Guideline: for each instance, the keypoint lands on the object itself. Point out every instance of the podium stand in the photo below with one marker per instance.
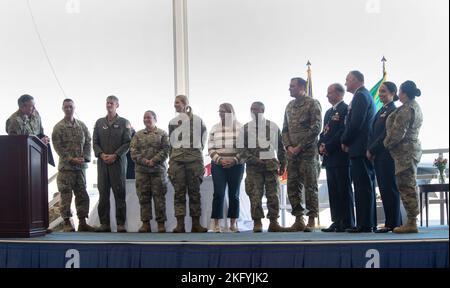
(23, 187)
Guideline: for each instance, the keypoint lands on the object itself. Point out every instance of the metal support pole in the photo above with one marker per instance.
(180, 43)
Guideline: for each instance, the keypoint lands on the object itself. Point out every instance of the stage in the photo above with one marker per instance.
(427, 249)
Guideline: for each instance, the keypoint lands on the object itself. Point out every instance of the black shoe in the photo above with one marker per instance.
(339, 229)
(103, 228)
(383, 230)
(359, 230)
(332, 228)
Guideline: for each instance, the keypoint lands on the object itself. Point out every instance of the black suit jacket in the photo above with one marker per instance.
(376, 146)
(358, 124)
(333, 127)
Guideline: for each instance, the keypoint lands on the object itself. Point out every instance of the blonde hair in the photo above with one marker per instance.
(185, 100)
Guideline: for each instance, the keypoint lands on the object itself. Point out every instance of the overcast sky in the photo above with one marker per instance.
(240, 51)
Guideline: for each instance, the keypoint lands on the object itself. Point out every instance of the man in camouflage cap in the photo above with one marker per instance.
(260, 139)
(301, 127)
(149, 150)
(111, 141)
(72, 142)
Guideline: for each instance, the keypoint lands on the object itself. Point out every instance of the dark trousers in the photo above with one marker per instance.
(221, 178)
(340, 195)
(363, 177)
(111, 176)
(385, 170)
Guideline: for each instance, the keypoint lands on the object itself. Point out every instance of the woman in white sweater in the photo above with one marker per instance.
(226, 169)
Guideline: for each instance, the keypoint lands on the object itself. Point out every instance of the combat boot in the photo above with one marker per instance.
(299, 224)
(275, 227)
(68, 227)
(180, 225)
(311, 224)
(161, 227)
(145, 228)
(257, 226)
(409, 227)
(196, 227)
(84, 227)
(121, 228)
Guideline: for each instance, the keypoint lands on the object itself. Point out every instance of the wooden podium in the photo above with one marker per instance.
(23, 187)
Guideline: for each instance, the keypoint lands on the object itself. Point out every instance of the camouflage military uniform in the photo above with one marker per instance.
(262, 166)
(18, 124)
(301, 127)
(151, 181)
(402, 141)
(186, 167)
(112, 137)
(72, 140)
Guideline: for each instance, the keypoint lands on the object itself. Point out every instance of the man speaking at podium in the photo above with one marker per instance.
(26, 121)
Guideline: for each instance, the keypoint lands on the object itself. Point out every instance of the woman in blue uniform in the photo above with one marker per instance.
(384, 164)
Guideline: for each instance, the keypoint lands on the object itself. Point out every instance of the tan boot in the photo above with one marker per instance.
(84, 227)
(121, 228)
(196, 227)
(145, 228)
(161, 227)
(275, 227)
(409, 227)
(180, 225)
(299, 224)
(257, 226)
(68, 227)
(311, 224)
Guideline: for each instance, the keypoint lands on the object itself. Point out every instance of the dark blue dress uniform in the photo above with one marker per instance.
(385, 168)
(337, 164)
(358, 128)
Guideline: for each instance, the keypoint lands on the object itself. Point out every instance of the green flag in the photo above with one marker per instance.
(375, 93)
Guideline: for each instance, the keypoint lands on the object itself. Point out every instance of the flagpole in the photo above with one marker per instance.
(308, 82)
(375, 90)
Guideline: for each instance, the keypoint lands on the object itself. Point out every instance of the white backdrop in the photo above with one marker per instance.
(133, 219)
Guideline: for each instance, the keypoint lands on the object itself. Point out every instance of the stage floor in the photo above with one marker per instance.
(427, 249)
(430, 234)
